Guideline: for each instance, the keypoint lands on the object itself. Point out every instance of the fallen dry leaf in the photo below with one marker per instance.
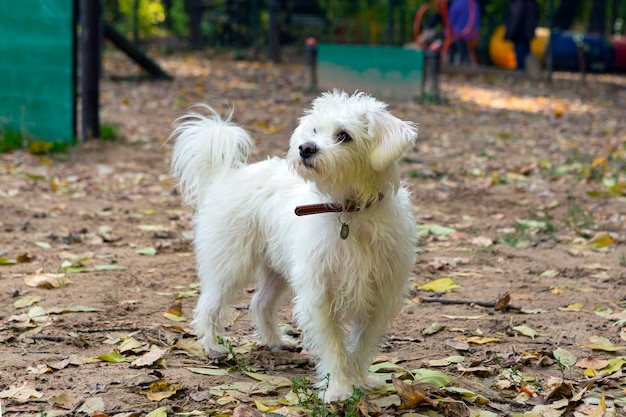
(148, 359)
(47, 280)
(410, 395)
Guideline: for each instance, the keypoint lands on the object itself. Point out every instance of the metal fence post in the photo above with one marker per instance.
(430, 94)
(311, 63)
(90, 67)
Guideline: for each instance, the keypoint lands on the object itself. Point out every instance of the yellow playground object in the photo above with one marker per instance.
(502, 53)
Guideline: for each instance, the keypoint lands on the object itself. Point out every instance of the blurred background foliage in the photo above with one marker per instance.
(246, 22)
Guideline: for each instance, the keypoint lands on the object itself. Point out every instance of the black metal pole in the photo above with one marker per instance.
(274, 33)
(550, 50)
(430, 93)
(89, 67)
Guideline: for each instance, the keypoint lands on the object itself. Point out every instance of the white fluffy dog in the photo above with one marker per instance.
(331, 222)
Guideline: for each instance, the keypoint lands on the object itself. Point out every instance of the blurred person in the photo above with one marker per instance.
(521, 23)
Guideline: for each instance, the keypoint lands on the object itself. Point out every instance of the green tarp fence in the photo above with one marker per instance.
(384, 71)
(37, 93)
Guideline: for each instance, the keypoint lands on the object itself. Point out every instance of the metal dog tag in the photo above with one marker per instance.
(344, 219)
(345, 231)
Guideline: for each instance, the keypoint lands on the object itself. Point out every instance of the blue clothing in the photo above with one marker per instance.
(464, 18)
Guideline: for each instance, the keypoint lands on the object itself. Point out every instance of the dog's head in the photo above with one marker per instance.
(348, 145)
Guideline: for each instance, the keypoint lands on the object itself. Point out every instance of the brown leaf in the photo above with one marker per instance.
(46, 280)
(24, 258)
(192, 347)
(502, 302)
(564, 389)
(410, 395)
(245, 410)
(591, 362)
(457, 344)
(368, 408)
(155, 354)
(160, 390)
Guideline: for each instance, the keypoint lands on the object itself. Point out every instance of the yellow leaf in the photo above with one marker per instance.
(160, 390)
(613, 365)
(129, 344)
(175, 313)
(278, 381)
(573, 307)
(174, 317)
(602, 343)
(600, 409)
(526, 331)
(600, 241)
(209, 371)
(481, 340)
(112, 357)
(598, 162)
(439, 285)
(263, 408)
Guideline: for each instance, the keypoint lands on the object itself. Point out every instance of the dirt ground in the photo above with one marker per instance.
(519, 188)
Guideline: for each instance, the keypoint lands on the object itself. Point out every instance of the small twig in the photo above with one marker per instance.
(140, 409)
(110, 329)
(490, 304)
(49, 338)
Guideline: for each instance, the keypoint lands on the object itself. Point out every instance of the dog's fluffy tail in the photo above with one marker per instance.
(206, 147)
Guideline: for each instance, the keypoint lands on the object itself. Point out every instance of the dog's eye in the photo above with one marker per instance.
(343, 137)
(314, 131)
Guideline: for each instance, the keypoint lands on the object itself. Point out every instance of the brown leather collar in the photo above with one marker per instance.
(349, 207)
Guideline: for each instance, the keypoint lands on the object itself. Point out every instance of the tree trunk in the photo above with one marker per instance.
(565, 14)
(194, 9)
(597, 18)
(167, 8)
(274, 32)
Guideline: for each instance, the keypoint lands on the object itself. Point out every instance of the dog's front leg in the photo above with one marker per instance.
(363, 341)
(325, 338)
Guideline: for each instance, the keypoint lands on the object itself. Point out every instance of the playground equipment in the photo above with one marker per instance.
(570, 51)
(619, 45)
(502, 53)
(573, 51)
(449, 34)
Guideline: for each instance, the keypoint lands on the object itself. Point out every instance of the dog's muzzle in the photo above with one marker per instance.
(307, 150)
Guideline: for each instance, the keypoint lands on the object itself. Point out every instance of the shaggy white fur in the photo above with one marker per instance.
(347, 288)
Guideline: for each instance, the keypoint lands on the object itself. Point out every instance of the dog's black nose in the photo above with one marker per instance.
(307, 149)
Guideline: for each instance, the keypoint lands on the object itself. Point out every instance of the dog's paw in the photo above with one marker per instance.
(212, 348)
(335, 389)
(282, 342)
(288, 342)
(337, 393)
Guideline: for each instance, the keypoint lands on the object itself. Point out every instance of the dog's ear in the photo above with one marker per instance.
(392, 137)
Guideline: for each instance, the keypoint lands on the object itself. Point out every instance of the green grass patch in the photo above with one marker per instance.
(12, 140)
